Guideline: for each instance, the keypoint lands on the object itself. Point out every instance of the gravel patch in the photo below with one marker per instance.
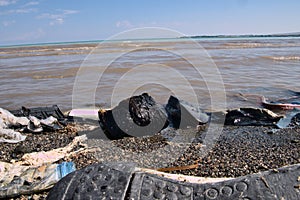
(238, 151)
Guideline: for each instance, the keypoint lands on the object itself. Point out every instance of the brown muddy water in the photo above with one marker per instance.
(100, 74)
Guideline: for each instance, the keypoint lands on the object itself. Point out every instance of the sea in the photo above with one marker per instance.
(210, 73)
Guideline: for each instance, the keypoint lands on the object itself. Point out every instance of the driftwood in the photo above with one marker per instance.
(177, 168)
(284, 106)
(273, 105)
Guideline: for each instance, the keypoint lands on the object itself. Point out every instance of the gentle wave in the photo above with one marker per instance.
(282, 58)
(42, 77)
(256, 45)
(12, 52)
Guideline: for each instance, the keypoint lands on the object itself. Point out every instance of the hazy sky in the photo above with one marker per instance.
(25, 21)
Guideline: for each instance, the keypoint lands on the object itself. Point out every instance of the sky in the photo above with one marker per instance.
(44, 21)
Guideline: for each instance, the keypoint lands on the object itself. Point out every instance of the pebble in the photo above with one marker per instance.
(238, 151)
(36, 142)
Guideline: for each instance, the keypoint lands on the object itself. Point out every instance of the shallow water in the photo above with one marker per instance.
(46, 74)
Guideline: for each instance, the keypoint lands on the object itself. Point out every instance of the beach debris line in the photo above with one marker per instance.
(18, 179)
(290, 106)
(11, 125)
(141, 115)
(8, 120)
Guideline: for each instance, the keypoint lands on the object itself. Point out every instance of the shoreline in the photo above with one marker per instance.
(239, 151)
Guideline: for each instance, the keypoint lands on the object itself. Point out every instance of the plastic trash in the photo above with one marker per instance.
(11, 136)
(251, 117)
(136, 116)
(42, 157)
(85, 113)
(64, 169)
(285, 121)
(16, 180)
(6, 121)
(41, 113)
(9, 119)
(10, 122)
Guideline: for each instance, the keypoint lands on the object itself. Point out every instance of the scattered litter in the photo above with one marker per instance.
(9, 119)
(16, 180)
(11, 136)
(11, 125)
(42, 113)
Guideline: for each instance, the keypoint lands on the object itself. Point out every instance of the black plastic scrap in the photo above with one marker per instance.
(125, 181)
(136, 113)
(180, 117)
(251, 117)
(133, 115)
(43, 113)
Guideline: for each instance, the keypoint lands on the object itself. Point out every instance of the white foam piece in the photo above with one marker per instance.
(85, 113)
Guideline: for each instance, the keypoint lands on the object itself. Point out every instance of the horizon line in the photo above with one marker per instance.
(206, 36)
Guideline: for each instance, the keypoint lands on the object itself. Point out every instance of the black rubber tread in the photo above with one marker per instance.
(273, 184)
(98, 181)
